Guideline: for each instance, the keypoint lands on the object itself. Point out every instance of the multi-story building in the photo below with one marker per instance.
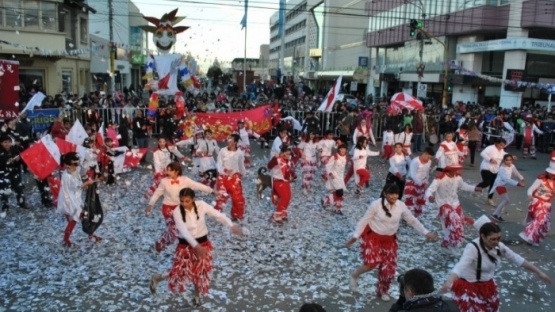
(321, 41)
(485, 40)
(50, 39)
(288, 39)
(130, 40)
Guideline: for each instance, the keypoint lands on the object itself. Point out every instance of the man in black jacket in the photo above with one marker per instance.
(417, 293)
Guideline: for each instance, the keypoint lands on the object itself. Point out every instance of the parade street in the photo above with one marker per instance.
(274, 268)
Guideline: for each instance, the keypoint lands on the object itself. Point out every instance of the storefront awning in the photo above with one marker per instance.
(335, 73)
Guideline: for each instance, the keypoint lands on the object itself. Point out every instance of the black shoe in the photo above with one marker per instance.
(339, 212)
(197, 303)
(24, 206)
(47, 204)
(367, 185)
(497, 218)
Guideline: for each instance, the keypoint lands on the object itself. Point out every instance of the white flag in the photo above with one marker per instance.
(77, 134)
(35, 101)
(329, 100)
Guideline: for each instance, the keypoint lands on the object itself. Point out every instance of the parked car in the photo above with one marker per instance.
(350, 99)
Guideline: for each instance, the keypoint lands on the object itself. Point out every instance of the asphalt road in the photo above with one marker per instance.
(276, 268)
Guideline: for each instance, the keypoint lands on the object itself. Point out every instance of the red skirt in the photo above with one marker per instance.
(188, 268)
(377, 249)
(387, 151)
(501, 190)
(476, 297)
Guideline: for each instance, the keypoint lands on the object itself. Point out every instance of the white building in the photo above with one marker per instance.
(322, 40)
(486, 40)
(100, 37)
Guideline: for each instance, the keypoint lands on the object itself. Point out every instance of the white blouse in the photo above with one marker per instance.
(170, 190)
(195, 227)
(233, 161)
(380, 223)
(69, 198)
(163, 157)
(398, 164)
(419, 172)
(445, 190)
(468, 264)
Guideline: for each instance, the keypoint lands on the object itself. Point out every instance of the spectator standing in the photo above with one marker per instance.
(416, 288)
(140, 131)
(417, 131)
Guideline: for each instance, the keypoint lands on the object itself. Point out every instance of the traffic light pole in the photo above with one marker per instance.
(445, 68)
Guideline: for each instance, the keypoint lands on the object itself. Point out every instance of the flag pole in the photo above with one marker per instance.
(245, 62)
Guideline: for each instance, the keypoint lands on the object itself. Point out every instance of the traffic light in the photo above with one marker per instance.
(450, 85)
(414, 25)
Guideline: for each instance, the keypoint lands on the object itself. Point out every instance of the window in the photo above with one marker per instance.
(31, 79)
(65, 22)
(49, 16)
(13, 13)
(66, 80)
(84, 29)
(31, 14)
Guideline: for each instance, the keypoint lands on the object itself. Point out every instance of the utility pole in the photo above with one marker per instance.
(445, 67)
(112, 47)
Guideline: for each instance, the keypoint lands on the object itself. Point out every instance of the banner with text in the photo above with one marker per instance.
(258, 120)
(42, 119)
(9, 89)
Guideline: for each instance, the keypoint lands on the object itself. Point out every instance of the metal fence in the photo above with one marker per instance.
(328, 121)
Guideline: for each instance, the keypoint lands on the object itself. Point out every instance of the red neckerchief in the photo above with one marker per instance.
(174, 181)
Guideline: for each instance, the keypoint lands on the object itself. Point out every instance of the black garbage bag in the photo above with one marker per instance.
(92, 211)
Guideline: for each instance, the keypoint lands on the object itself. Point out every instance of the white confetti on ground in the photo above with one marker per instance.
(274, 268)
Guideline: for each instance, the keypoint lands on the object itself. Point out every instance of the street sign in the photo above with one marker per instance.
(551, 89)
(354, 86)
(422, 90)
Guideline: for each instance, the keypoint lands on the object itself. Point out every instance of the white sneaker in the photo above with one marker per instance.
(353, 284)
(2, 214)
(385, 297)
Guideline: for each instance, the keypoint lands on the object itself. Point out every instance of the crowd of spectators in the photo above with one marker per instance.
(296, 100)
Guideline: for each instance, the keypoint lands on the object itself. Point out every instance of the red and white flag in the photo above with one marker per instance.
(133, 157)
(329, 100)
(42, 158)
(100, 136)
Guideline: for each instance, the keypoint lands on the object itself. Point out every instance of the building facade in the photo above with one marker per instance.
(130, 41)
(50, 39)
(321, 41)
(482, 40)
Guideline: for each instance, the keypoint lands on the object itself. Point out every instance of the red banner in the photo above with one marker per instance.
(258, 120)
(9, 89)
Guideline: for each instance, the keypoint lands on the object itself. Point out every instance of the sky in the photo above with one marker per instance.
(215, 27)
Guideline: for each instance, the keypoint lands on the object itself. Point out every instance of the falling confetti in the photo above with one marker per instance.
(271, 268)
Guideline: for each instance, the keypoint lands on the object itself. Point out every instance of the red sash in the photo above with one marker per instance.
(528, 136)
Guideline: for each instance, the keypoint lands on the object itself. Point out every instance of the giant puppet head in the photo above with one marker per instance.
(163, 30)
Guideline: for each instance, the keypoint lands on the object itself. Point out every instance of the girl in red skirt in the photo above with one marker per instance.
(471, 280)
(193, 256)
(504, 176)
(377, 230)
(169, 187)
(540, 193)
(162, 156)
